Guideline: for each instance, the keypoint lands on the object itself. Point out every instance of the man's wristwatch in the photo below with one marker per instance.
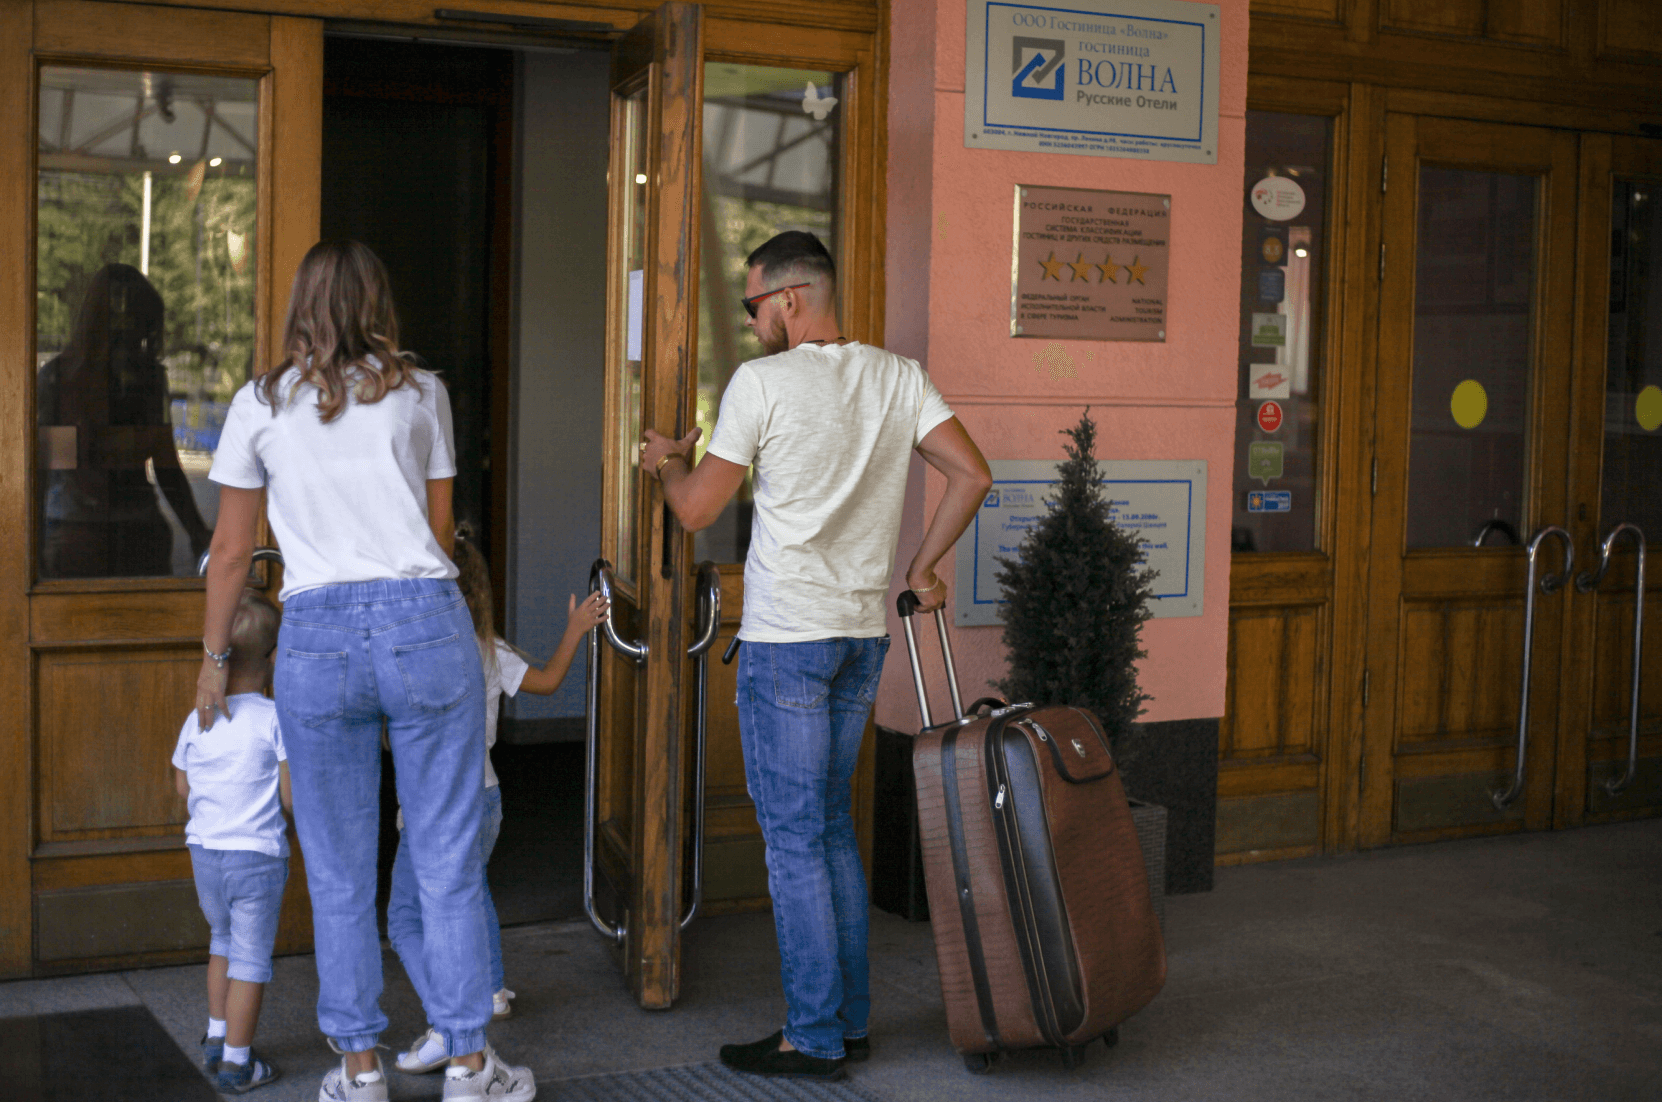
(659, 469)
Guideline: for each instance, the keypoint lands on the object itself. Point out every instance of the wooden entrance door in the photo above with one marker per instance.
(1472, 432)
(645, 687)
(1616, 479)
(160, 186)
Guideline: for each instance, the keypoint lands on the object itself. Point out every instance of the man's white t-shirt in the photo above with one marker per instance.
(830, 430)
(504, 677)
(347, 499)
(232, 769)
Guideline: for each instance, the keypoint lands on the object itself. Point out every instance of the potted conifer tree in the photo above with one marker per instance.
(1075, 599)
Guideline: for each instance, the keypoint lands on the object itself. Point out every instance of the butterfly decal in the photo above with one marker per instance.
(817, 105)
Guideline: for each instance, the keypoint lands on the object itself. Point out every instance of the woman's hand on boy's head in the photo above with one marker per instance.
(590, 614)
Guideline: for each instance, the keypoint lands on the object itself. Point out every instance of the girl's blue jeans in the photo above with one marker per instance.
(348, 656)
(802, 713)
(404, 906)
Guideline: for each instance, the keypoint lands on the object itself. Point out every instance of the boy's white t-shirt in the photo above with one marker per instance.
(232, 769)
(347, 499)
(830, 430)
(506, 677)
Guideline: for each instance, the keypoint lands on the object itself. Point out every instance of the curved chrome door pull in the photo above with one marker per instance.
(709, 607)
(1550, 584)
(599, 579)
(1588, 582)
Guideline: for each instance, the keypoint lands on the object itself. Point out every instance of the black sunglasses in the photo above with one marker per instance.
(753, 301)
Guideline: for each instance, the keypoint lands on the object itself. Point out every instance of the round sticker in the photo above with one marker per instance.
(1469, 404)
(1273, 250)
(1277, 198)
(1269, 416)
(1647, 408)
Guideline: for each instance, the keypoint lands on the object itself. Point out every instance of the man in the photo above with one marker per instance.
(829, 426)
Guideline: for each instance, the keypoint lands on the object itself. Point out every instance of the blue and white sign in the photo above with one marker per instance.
(1106, 78)
(1164, 502)
(1269, 501)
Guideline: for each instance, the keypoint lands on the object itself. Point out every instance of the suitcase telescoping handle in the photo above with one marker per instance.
(906, 604)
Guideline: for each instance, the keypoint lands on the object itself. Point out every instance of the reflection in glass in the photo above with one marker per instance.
(1280, 352)
(772, 149)
(1632, 484)
(628, 339)
(144, 324)
(1474, 295)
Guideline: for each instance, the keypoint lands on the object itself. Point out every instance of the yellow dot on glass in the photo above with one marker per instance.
(1469, 404)
(1647, 408)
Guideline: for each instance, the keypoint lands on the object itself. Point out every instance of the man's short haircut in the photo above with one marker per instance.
(796, 254)
(253, 628)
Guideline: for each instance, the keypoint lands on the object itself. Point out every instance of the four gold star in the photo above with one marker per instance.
(1052, 267)
(1134, 271)
(1081, 268)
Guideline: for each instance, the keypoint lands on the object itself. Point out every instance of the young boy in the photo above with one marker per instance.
(236, 778)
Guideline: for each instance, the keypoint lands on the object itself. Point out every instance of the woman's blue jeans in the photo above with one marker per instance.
(404, 904)
(802, 713)
(347, 656)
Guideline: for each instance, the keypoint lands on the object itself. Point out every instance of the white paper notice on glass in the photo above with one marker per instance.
(637, 303)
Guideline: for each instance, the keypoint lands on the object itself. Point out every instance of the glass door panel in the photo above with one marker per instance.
(628, 338)
(1474, 285)
(145, 317)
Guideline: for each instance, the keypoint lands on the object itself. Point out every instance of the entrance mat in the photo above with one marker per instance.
(119, 1055)
(703, 1083)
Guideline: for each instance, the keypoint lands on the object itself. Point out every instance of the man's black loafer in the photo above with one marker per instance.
(856, 1049)
(764, 1058)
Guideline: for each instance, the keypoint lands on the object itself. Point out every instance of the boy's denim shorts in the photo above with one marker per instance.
(241, 892)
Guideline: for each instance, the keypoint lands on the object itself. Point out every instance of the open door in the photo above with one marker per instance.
(642, 686)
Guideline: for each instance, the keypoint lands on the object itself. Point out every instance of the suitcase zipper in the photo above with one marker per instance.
(998, 801)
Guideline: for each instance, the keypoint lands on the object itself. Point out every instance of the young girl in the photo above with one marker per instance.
(505, 672)
(350, 445)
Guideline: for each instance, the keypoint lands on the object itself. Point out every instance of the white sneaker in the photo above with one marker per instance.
(338, 1086)
(412, 1061)
(497, 1083)
(500, 1006)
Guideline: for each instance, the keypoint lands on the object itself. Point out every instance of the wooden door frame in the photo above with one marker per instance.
(285, 55)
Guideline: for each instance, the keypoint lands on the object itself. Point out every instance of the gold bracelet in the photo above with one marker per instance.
(659, 469)
(932, 588)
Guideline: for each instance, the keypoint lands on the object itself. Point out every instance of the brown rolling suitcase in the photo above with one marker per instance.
(1044, 928)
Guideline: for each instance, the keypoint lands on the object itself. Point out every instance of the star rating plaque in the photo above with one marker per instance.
(1090, 265)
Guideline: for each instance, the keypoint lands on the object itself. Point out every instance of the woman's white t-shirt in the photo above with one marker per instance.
(347, 499)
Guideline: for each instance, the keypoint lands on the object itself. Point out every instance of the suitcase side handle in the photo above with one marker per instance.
(906, 604)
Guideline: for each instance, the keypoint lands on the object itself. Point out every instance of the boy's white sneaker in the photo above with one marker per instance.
(426, 1054)
(338, 1086)
(501, 1005)
(498, 1082)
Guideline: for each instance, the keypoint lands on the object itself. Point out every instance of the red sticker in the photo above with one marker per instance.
(1269, 416)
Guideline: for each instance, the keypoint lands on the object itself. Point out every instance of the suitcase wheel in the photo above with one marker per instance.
(1112, 1037)
(978, 1063)
(1073, 1056)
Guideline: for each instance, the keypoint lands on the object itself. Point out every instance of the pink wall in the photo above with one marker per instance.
(948, 273)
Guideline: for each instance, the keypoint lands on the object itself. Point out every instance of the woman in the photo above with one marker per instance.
(352, 444)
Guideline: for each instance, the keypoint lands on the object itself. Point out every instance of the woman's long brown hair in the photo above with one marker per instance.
(342, 330)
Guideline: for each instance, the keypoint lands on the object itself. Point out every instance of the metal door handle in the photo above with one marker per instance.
(1495, 525)
(1552, 583)
(599, 579)
(261, 554)
(1588, 582)
(709, 607)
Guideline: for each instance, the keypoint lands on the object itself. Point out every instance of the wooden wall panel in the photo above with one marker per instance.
(1462, 17)
(1273, 677)
(103, 771)
(1460, 664)
(1537, 22)
(82, 28)
(1326, 10)
(1631, 28)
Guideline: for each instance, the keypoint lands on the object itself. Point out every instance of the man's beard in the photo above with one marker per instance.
(774, 340)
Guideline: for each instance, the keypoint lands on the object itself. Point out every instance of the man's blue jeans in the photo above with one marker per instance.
(348, 655)
(404, 904)
(802, 712)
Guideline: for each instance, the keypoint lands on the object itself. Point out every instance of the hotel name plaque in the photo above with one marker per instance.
(1090, 265)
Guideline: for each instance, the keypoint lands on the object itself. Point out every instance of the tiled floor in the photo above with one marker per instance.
(1517, 968)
